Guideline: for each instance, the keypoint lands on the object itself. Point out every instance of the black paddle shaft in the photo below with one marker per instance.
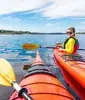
(47, 47)
(54, 47)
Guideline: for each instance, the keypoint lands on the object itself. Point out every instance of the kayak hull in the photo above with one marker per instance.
(73, 71)
(41, 84)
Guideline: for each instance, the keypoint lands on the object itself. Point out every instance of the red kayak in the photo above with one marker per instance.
(42, 84)
(73, 69)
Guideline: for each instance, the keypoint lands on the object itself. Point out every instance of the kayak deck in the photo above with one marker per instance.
(73, 69)
(42, 84)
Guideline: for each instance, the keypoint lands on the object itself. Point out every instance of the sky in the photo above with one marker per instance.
(42, 15)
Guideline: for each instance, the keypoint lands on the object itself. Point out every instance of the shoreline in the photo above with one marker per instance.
(36, 33)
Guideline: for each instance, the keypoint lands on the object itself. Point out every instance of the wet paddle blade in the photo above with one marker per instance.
(29, 46)
(7, 75)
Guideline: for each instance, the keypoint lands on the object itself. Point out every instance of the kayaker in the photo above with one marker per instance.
(71, 44)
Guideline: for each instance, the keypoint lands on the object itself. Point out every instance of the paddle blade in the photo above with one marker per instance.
(7, 75)
(26, 67)
(29, 46)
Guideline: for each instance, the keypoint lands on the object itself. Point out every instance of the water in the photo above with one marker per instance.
(11, 45)
(11, 49)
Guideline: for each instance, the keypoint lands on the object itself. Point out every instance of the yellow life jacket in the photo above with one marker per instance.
(71, 45)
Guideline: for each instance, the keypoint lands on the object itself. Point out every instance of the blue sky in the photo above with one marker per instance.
(42, 15)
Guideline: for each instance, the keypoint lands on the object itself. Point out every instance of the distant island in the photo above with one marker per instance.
(14, 32)
(80, 32)
(28, 32)
(46, 33)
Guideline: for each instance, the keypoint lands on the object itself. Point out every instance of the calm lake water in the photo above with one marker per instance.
(11, 45)
(11, 49)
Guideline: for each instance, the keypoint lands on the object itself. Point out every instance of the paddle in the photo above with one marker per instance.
(26, 66)
(7, 78)
(30, 46)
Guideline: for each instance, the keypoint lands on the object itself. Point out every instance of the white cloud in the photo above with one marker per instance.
(6, 26)
(8, 6)
(65, 8)
(52, 24)
(58, 8)
(49, 24)
(83, 22)
(78, 18)
(81, 29)
(11, 27)
(10, 18)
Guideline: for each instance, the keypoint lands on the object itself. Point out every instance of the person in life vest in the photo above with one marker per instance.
(71, 44)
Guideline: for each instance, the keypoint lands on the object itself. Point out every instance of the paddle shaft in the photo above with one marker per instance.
(54, 47)
(16, 86)
(22, 91)
(82, 49)
(47, 47)
(7, 78)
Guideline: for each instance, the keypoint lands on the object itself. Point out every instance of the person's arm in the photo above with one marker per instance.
(59, 45)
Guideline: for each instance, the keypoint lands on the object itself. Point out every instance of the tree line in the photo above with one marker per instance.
(14, 32)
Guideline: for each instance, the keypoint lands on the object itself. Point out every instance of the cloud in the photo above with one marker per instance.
(11, 27)
(6, 26)
(10, 18)
(65, 8)
(81, 29)
(9, 6)
(52, 24)
(54, 8)
(78, 18)
(83, 22)
(49, 24)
